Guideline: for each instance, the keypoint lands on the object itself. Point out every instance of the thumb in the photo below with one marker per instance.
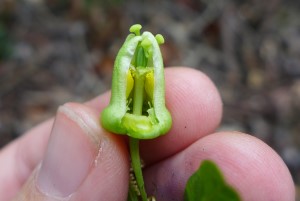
(82, 161)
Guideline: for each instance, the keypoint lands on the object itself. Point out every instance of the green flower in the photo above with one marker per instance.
(137, 105)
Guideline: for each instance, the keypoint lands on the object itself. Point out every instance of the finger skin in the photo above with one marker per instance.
(248, 164)
(21, 157)
(98, 145)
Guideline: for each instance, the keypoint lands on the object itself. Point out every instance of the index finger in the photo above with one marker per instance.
(195, 106)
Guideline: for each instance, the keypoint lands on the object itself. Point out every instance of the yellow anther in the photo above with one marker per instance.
(130, 83)
(149, 84)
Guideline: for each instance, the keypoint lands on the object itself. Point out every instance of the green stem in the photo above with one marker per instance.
(136, 165)
(132, 195)
(139, 82)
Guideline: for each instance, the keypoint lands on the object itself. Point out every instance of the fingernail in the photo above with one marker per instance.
(71, 152)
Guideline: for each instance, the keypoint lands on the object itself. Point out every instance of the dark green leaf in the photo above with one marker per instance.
(208, 184)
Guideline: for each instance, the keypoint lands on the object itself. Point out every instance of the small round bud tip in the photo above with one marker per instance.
(136, 29)
(160, 39)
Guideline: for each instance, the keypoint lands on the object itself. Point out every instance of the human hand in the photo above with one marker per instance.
(73, 158)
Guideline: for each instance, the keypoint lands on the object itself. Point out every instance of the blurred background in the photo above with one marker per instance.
(54, 51)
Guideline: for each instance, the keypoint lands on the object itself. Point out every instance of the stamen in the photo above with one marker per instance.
(136, 29)
(160, 39)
